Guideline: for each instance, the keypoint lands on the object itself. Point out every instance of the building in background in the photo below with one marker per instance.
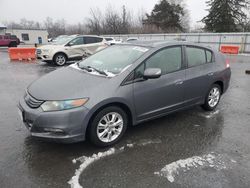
(30, 36)
(2, 29)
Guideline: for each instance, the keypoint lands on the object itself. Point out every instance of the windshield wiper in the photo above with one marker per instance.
(90, 69)
(97, 70)
(84, 67)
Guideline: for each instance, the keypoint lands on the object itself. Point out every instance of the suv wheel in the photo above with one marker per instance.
(60, 59)
(13, 44)
(212, 98)
(108, 126)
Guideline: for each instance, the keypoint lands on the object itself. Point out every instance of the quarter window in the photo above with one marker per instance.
(91, 40)
(195, 56)
(168, 60)
(209, 56)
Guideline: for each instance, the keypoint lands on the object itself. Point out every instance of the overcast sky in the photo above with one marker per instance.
(74, 11)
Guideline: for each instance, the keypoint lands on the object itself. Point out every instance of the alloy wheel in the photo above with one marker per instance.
(214, 97)
(110, 127)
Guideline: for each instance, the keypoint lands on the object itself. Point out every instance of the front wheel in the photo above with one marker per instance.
(60, 59)
(213, 98)
(108, 126)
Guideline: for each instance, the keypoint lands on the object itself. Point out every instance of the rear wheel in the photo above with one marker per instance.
(108, 126)
(212, 98)
(13, 44)
(60, 59)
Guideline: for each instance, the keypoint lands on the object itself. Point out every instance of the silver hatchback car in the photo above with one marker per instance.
(123, 85)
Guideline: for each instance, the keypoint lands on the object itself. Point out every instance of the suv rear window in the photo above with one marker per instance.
(195, 56)
(91, 40)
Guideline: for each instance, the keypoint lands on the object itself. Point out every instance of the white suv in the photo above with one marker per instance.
(70, 48)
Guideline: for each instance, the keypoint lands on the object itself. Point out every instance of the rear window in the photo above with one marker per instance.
(91, 40)
(195, 56)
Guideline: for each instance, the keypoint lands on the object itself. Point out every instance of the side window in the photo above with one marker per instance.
(77, 41)
(195, 56)
(25, 37)
(90, 40)
(209, 56)
(168, 60)
(99, 39)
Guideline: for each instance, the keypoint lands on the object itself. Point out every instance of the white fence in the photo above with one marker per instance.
(214, 40)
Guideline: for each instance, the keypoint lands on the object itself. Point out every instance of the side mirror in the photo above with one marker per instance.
(152, 73)
(69, 44)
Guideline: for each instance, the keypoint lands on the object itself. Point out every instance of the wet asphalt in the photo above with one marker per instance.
(27, 162)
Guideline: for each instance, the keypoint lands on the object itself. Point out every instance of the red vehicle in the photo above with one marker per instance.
(9, 40)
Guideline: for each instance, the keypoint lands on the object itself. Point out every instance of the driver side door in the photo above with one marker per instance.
(154, 97)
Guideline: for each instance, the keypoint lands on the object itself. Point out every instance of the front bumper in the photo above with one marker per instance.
(44, 56)
(66, 126)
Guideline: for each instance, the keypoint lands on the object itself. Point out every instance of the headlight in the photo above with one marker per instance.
(62, 105)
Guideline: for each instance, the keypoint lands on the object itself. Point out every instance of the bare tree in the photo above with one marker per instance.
(94, 22)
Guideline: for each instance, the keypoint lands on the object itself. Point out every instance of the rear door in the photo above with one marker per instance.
(154, 97)
(75, 49)
(5, 40)
(199, 73)
(93, 44)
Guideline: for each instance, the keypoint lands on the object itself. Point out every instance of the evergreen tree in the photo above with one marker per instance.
(166, 16)
(225, 15)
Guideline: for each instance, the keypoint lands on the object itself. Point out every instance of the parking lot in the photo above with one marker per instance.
(191, 148)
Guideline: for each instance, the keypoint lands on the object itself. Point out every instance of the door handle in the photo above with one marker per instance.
(179, 82)
(210, 74)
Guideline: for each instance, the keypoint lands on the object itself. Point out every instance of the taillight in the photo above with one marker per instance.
(227, 63)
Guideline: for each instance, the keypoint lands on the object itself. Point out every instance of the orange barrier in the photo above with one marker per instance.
(22, 53)
(230, 49)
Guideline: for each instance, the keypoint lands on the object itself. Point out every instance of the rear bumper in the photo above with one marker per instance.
(67, 126)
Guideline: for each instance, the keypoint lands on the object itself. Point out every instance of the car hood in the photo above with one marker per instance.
(66, 83)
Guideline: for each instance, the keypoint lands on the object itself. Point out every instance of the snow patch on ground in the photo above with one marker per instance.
(148, 142)
(74, 182)
(171, 170)
(86, 161)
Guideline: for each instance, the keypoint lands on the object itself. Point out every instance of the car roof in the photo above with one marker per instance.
(88, 36)
(161, 43)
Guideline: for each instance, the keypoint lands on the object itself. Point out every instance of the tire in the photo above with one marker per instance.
(212, 98)
(60, 59)
(102, 132)
(13, 44)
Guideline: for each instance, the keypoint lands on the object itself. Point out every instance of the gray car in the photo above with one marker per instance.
(123, 85)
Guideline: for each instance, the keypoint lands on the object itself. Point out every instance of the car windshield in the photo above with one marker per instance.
(114, 59)
(62, 40)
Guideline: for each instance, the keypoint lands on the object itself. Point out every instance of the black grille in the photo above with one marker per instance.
(32, 102)
(38, 51)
